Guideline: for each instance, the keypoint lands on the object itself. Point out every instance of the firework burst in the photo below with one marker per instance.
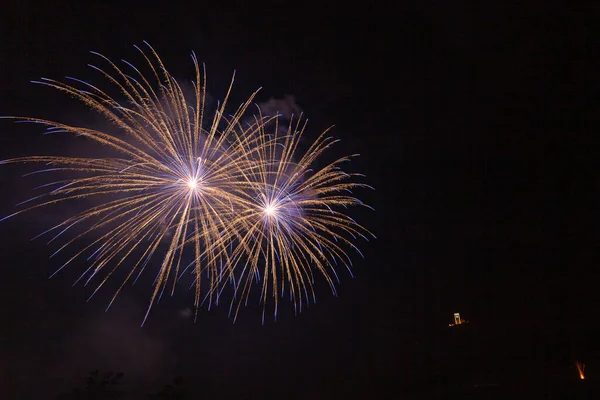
(292, 225)
(224, 193)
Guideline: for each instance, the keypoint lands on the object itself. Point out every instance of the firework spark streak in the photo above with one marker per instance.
(238, 198)
(580, 369)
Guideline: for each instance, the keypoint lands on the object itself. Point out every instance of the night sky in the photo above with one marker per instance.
(474, 124)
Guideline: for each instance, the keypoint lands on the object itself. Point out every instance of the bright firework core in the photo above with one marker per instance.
(192, 184)
(270, 210)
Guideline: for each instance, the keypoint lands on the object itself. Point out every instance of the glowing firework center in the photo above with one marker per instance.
(192, 183)
(270, 210)
(195, 178)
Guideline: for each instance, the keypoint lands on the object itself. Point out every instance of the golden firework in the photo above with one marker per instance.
(224, 189)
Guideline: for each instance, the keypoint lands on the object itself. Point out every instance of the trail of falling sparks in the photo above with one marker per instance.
(580, 369)
(226, 189)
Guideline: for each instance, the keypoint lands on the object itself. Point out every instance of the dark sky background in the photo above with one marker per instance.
(474, 124)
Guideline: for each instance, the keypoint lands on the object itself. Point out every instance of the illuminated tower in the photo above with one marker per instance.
(457, 320)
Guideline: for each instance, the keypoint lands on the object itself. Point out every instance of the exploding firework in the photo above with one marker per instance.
(223, 192)
(291, 225)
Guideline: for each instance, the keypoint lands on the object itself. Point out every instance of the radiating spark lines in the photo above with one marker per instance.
(223, 197)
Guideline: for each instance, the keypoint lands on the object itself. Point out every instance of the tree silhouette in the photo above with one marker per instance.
(97, 387)
(172, 391)
(105, 386)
